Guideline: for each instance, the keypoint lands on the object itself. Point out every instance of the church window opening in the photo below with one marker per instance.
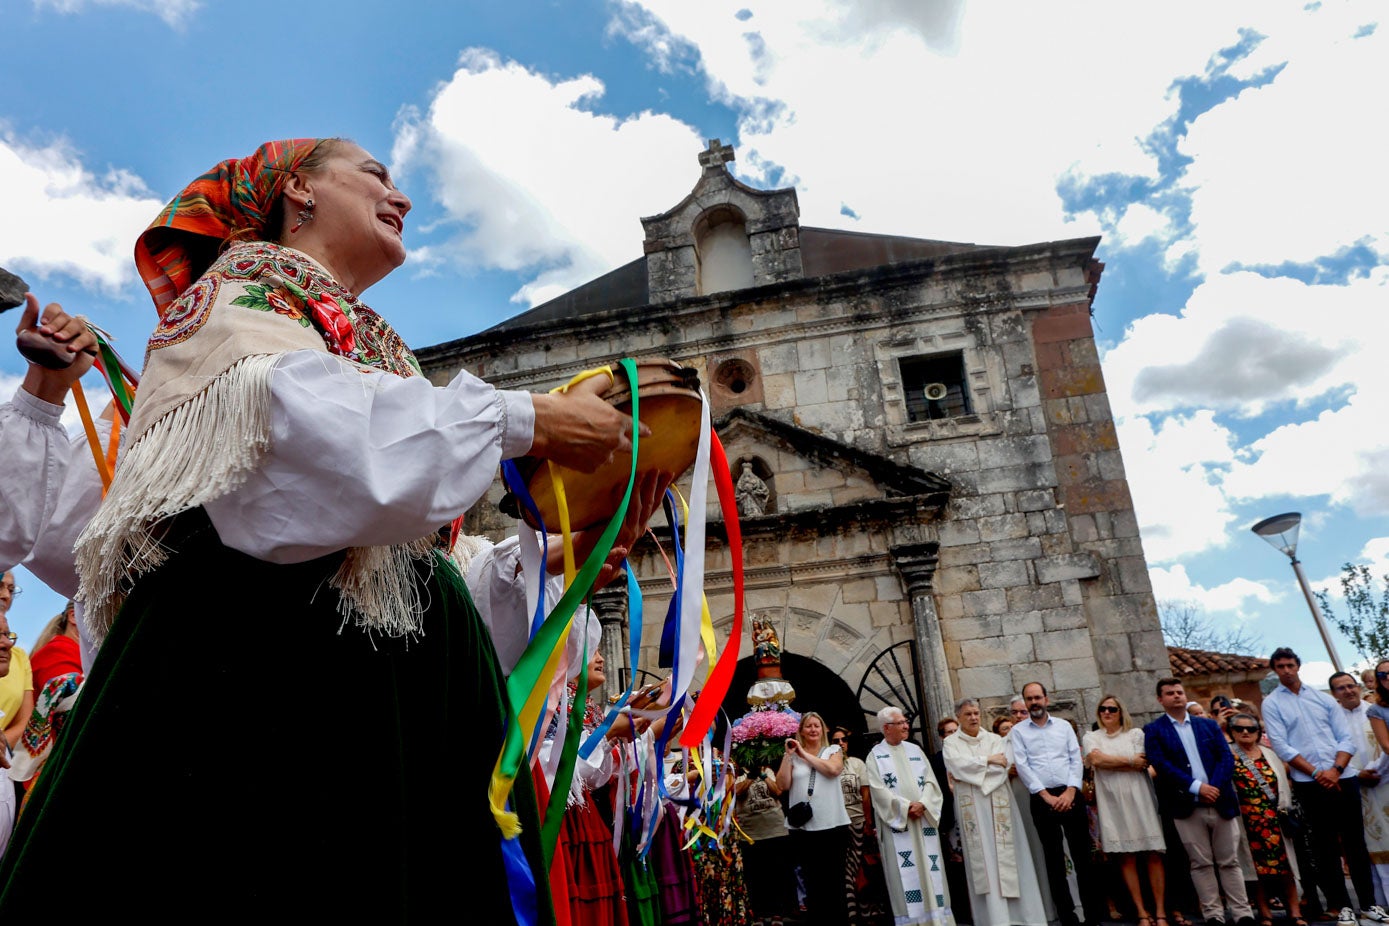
(722, 251)
(935, 387)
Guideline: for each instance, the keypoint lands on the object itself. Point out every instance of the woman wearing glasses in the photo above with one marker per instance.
(1125, 804)
(1264, 798)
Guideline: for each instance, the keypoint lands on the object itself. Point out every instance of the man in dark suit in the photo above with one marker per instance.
(1194, 768)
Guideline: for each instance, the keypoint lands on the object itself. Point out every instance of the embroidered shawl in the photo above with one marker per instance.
(202, 423)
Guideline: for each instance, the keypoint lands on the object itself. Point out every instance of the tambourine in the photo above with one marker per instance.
(669, 404)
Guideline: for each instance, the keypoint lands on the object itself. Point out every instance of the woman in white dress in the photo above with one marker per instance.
(1125, 803)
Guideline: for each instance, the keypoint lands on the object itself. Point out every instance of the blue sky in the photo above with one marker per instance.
(1228, 155)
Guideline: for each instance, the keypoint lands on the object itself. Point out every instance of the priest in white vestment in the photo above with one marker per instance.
(1003, 883)
(907, 801)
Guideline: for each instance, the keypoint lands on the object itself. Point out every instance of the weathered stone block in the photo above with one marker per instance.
(1003, 527)
(996, 651)
(1113, 614)
(1075, 673)
(1149, 651)
(811, 388)
(957, 533)
(1056, 544)
(971, 628)
(1111, 465)
(987, 601)
(1008, 451)
(1070, 566)
(1064, 618)
(1022, 622)
(1063, 644)
(1071, 592)
(1133, 576)
(1035, 500)
(1124, 523)
(814, 354)
(859, 590)
(949, 608)
(779, 390)
(1024, 548)
(889, 588)
(779, 358)
(982, 683)
(977, 506)
(1016, 478)
(1030, 672)
(1112, 653)
(1003, 575)
(956, 579)
(964, 555)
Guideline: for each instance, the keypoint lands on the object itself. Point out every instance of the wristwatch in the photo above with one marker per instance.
(1340, 769)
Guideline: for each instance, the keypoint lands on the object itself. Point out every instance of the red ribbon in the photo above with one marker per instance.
(721, 677)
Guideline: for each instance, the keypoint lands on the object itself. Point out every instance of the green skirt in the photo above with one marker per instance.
(237, 752)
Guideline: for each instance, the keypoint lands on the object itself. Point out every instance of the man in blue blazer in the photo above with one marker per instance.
(1195, 788)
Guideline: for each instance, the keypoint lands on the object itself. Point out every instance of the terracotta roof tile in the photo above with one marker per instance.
(1190, 662)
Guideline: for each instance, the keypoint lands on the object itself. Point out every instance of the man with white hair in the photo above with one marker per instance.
(1003, 883)
(907, 803)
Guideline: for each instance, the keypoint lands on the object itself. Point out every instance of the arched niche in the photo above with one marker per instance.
(723, 254)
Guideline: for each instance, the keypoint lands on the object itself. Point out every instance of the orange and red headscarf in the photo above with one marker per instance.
(232, 201)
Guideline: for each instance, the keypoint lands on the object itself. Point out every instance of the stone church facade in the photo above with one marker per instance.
(936, 501)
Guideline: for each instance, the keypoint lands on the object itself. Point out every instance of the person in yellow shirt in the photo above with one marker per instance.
(17, 686)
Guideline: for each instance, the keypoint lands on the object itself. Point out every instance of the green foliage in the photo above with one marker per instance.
(1366, 623)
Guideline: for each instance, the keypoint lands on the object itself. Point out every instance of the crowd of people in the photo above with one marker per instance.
(284, 443)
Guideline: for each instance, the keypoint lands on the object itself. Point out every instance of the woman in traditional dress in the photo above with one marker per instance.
(1374, 801)
(56, 651)
(863, 884)
(1264, 796)
(286, 471)
(1126, 805)
(809, 773)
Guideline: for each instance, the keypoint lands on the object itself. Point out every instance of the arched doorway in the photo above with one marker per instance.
(818, 689)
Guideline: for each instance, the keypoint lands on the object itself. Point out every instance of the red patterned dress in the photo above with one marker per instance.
(1258, 804)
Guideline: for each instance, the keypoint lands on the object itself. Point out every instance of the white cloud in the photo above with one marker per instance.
(558, 194)
(1288, 171)
(173, 12)
(62, 218)
(1180, 458)
(968, 115)
(1243, 341)
(1173, 584)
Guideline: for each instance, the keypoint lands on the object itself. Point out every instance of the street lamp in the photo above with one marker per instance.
(1281, 533)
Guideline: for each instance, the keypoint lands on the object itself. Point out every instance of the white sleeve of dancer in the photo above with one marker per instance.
(363, 458)
(49, 490)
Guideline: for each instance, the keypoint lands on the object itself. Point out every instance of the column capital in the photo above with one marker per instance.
(917, 564)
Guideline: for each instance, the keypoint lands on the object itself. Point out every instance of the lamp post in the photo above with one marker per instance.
(1281, 533)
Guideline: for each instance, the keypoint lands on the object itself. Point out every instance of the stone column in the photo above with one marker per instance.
(610, 604)
(917, 564)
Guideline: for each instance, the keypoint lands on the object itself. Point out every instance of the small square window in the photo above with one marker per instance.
(934, 387)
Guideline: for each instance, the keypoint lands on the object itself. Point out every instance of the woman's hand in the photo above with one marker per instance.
(71, 334)
(578, 429)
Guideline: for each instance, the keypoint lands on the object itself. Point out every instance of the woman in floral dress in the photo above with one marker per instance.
(1264, 792)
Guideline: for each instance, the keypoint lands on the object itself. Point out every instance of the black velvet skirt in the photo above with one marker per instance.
(236, 752)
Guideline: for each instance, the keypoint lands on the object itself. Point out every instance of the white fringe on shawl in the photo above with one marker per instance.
(199, 451)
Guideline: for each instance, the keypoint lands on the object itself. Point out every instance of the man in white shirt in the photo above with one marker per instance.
(1047, 755)
(1363, 766)
(1309, 732)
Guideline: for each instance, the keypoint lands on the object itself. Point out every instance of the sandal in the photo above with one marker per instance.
(1145, 921)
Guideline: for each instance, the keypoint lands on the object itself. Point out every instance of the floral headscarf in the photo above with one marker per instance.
(231, 201)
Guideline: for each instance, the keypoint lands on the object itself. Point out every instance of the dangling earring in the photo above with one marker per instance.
(305, 215)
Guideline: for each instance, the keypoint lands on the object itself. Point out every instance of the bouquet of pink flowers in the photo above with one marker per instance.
(759, 737)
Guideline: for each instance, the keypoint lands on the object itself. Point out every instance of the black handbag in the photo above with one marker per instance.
(799, 813)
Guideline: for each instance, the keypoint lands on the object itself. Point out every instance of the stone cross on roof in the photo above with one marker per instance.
(715, 156)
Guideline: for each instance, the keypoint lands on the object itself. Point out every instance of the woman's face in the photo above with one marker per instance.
(596, 675)
(1108, 714)
(1004, 727)
(813, 730)
(359, 216)
(1245, 731)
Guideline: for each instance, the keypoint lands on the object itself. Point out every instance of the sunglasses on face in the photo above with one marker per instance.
(839, 739)
(1379, 674)
(1107, 709)
(1243, 729)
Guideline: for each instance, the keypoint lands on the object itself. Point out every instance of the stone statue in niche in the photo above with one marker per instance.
(752, 493)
